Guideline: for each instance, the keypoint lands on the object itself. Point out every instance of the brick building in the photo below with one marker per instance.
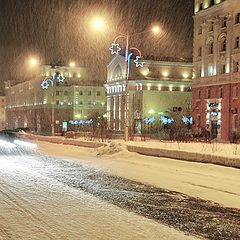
(216, 60)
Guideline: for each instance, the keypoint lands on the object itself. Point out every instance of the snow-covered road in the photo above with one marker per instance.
(35, 206)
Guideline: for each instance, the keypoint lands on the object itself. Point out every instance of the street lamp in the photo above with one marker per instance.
(50, 82)
(33, 61)
(129, 53)
(72, 64)
(98, 24)
(156, 29)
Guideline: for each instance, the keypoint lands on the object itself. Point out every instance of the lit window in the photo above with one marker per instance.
(210, 70)
(223, 44)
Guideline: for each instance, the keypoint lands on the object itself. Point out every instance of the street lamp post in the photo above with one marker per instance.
(50, 82)
(115, 49)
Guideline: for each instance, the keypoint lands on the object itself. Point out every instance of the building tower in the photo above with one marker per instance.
(216, 57)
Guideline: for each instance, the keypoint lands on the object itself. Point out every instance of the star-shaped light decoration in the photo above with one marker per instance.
(115, 48)
(60, 78)
(44, 84)
(137, 63)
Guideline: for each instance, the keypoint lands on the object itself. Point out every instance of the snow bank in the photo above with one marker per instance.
(215, 153)
(186, 156)
(67, 141)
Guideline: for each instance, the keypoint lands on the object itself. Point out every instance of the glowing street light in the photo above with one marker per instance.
(98, 24)
(156, 29)
(33, 62)
(72, 64)
(130, 52)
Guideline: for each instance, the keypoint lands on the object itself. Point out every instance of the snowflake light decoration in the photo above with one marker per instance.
(137, 63)
(115, 48)
(59, 77)
(44, 84)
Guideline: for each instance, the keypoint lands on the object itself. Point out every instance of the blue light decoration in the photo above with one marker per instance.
(187, 120)
(115, 48)
(81, 122)
(137, 63)
(166, 120)
(149, 120)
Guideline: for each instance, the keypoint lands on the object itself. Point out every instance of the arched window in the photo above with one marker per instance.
(210, 48)
(223, 44)
(117, 72)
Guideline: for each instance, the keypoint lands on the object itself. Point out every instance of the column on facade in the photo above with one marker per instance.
(204, 52)
(122, 111)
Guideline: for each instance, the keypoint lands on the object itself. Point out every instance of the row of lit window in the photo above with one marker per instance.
(140, 87)
(89, 93)
(212, 71)
(70, 75)
(206, 4)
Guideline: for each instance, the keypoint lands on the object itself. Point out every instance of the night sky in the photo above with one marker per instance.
(60, 31)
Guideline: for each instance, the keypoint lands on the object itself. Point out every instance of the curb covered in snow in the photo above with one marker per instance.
(186, 156)
(67, 141)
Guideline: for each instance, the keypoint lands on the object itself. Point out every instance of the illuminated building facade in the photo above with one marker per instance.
(216, 57)
(2, 112)
(154, 91)
(28, 105)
